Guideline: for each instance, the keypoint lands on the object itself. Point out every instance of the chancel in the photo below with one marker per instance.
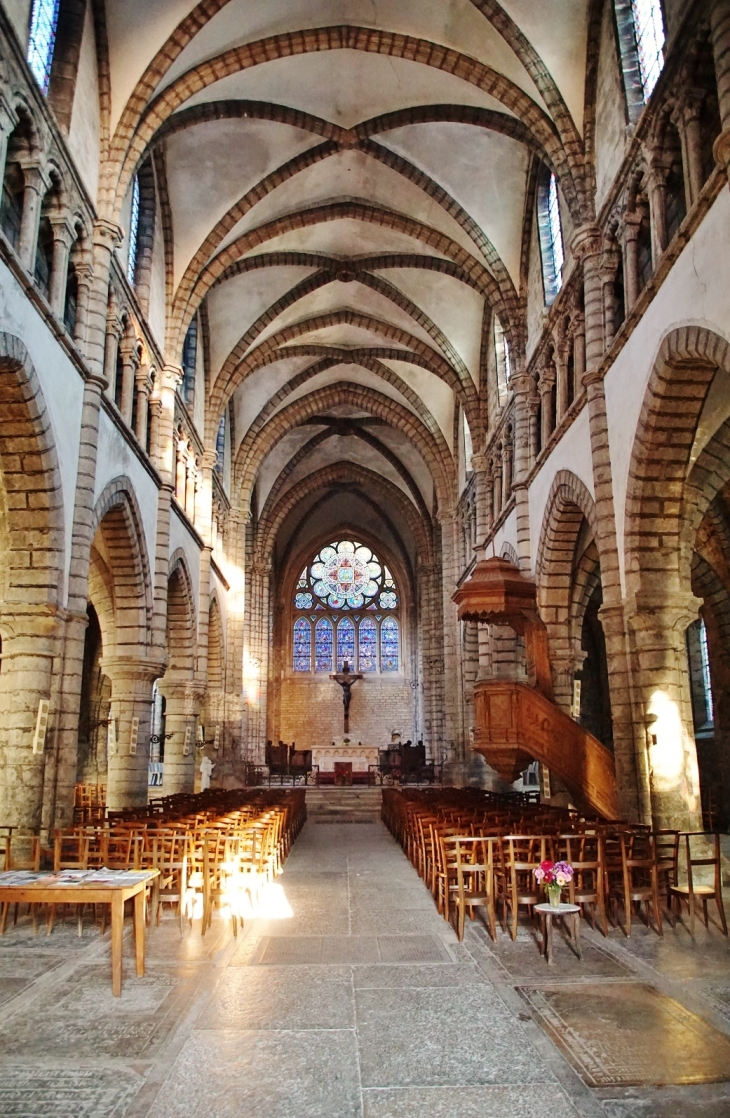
(364, 381)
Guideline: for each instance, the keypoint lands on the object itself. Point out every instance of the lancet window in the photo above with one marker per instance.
(346, 602)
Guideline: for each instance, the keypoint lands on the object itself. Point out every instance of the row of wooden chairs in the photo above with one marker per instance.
(482, 854)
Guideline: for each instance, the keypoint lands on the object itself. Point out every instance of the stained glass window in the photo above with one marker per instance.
(367, 646)
(302, 645)
(323, 645)
(345, 644)
(41, 40)
(389, 645)
(551, 234)
(649, 31)
(344, 578)
(133, 231)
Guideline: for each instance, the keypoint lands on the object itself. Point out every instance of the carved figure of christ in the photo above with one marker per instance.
(345, 680)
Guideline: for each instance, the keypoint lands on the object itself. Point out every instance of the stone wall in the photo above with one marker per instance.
(311, 711)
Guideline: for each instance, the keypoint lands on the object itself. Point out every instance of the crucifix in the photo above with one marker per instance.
(346, 679)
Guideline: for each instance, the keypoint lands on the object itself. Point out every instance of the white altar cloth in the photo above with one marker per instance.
(360, 756)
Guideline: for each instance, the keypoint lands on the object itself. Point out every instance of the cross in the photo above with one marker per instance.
(345, 679)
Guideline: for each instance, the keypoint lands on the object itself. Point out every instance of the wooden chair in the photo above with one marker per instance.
(640, 878)
(706, 893)
(517, 886)
(586, 855)
(666, 844)
(477, 861)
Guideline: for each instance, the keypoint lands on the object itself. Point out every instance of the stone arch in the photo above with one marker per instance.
(31, 578)
(508, 552)
(31, 574)
(181, 628)
(656, 545)
(569, 507)
(216, 646)
(117, 529)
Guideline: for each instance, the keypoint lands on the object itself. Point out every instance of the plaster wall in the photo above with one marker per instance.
(84, 138)
(506, 534)
(573, 453)
(610, 110)
(18, 12)
(535, 289)
(61, 384)
(180, 537)
(115, 458)
(685, 299)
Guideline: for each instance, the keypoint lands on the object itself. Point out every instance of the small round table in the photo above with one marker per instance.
(570, 913)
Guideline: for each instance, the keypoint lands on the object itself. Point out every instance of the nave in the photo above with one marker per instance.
(350, 997)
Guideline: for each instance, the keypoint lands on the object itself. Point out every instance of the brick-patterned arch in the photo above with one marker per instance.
(569, 504)
(117, 518)
(508, 552)
(181, 626)
(276, 510)
(662, 512)
(135, 131)
(32, 555)
(193, 288)
(257, 444)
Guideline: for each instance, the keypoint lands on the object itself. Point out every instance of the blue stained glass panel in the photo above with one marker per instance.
(303, 601)
(345, 643)
(323, 645)
(389, 645)
(41, 40)
(388, 600)
(368, 646)
(133, 231)
(302, 645)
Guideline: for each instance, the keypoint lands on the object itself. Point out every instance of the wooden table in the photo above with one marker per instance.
(570, 913)
(44, 888)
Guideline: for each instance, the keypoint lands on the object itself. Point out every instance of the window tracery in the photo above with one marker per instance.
(357, 599)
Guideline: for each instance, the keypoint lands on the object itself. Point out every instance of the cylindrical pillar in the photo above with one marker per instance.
(36, 185)
(130, 364)
(63, 238)
(630, 233)
(142, 387)
(131, 709)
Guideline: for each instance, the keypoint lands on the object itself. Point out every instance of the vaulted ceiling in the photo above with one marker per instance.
(344, 190)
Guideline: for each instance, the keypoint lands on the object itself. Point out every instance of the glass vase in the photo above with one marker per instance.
(553, 893)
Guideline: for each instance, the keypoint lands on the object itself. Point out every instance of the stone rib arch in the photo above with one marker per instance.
(32, 566)
(683, 370)
(186, 303)
(117, 516)
(257, 444)
(130, 142)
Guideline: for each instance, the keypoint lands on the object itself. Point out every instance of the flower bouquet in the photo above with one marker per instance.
(554, 876)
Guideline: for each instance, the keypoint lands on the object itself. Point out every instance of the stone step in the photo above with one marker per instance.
(343, 805)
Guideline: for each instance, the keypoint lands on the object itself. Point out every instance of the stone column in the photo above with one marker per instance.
(687, 119)
(497, 483)
(587, 251)
(482, 480)
(154, 421)
(191, 472)
(547, 420)
(30, 647)
(63, 238)
(181, 459)
(107, 236)
(130, 364)
(608, 269)
(84, 276)
(657, 190)
(131, 710)
(561, 371)
(720, 34)
(8, 121)
(36, 185)
(142, 387)
(111, 347)
(506, 470)
(178, 773)
(578, 327)
(663, 706)
(630, 233)
(204, 525)
(169, 378)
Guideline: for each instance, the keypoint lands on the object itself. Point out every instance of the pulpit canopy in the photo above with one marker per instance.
(497, 593)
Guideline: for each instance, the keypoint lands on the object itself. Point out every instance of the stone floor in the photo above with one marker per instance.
(352, 998)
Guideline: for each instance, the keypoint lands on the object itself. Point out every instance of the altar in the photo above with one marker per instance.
(359, 756)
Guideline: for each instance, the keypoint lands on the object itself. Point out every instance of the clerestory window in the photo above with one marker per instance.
(133, 231)
(42, 39)
(551, 234)
(641, 36)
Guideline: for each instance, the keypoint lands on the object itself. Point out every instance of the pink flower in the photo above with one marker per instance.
(539, 873)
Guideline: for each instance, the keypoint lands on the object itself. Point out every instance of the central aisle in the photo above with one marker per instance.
(360, 1004)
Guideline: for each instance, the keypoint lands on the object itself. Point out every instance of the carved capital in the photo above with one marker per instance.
(586, 241)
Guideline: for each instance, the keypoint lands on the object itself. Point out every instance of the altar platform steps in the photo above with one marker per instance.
(344, 805)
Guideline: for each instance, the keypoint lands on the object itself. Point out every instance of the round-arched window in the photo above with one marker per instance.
(342, 600)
